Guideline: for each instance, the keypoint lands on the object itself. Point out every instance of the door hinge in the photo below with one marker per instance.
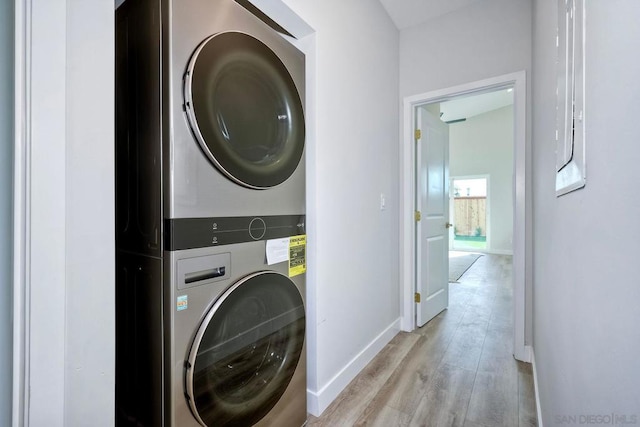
(418, 216)
(416, 297)
(417, 134)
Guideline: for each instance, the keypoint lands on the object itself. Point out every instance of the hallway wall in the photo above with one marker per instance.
(485, 39)
(586, 291)
(69, 259)
(352, 294)
(90, 215)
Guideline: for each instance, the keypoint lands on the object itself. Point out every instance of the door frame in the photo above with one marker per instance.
(522, 206)
(39, 271)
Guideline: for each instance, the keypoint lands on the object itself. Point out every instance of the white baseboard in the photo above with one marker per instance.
(498, 252)
(535, 386)
(524, 353)
(484, 251)
(318, 401)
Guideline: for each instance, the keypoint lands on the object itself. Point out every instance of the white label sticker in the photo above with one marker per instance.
(277, 251)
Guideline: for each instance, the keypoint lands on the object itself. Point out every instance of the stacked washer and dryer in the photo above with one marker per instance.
(209, 172)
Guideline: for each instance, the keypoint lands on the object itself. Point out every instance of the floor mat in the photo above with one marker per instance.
(459, 262)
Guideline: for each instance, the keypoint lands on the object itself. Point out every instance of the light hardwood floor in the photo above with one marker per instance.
(457, 370)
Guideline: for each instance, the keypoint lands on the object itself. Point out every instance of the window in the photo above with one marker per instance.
(469, 213)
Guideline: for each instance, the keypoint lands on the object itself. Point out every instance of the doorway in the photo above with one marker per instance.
(516, 81)
(469, 137)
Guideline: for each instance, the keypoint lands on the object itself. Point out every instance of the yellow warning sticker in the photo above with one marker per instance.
(297, 255)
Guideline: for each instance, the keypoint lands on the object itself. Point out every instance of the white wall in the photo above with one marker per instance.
(6, 208)
(69, 253)
(354, 277)
(586, 293)
(486, 39)
(90, 267)
(481, 145)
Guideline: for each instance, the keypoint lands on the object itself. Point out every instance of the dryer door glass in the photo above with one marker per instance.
(246, 351)
(244, 109)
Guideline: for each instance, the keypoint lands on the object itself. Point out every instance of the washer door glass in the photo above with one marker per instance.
(246, 351)
(244, 109)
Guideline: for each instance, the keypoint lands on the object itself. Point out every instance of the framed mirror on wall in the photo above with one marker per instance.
(570, 112)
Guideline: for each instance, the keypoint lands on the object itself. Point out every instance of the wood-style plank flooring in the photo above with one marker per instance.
(457, 370)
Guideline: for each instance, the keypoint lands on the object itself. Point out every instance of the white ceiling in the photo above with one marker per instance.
(472, 105)
(407, 13)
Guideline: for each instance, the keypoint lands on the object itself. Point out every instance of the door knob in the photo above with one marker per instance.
(448, 225)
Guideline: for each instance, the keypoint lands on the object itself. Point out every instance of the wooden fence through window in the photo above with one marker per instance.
(470, 216)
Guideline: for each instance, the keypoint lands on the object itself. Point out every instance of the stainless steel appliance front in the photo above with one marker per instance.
(209, 164)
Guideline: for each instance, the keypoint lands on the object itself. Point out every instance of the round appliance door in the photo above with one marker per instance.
(246, 351)
(244, 109)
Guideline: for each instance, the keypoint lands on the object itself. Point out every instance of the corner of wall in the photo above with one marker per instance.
(318, 401)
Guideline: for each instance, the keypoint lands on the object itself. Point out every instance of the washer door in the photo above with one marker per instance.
(246, 351)
(244, 109)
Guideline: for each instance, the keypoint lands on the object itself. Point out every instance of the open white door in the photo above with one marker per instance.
(432, 216)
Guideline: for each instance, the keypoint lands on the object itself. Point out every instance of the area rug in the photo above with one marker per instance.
(459, 263)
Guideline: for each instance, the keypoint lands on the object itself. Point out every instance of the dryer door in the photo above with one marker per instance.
(244, 109)
(246, 351)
